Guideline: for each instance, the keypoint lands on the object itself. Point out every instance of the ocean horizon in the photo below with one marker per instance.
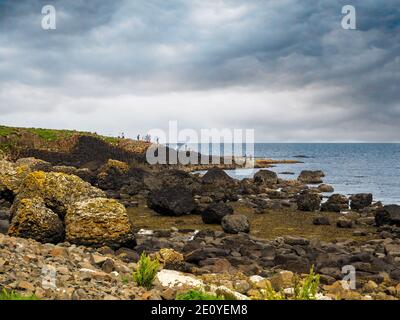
(349, 167)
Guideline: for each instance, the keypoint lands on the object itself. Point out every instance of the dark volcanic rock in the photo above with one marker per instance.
(325, 188)
(175, 201)
(360, 201)
(215, 212)
(203, 253)
(312, 177)
(308, 201)
(4, 224)
(336, 203)
(388, 215)
(344, 223)
(217, 176)
(266, 177)
(321, 221)
(235, 223)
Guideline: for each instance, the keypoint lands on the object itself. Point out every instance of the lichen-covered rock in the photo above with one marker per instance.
(33, 220)
(34, 164)
(12, 175)
(170, 259)
(58, 190)
(266, 177)
(235, 223)
(99, 222)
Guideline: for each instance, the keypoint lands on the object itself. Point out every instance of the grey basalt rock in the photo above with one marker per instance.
(235, 223)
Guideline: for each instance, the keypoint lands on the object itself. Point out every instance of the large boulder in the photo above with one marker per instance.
(266, 177)
(218, 185)
(99, 222)
(360, 201)
(217, 176)
(179, 177)
(235, 223)
(174, 201)
(308, 201)
(388, 215)
(58, 190)
(336, 203)
(311, 177)
(33, 220)
(215, 212)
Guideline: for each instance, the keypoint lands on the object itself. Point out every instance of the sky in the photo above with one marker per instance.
(286, 68)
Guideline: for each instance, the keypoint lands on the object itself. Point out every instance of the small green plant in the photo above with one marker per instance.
(125, 279)
(308, 288)
(146, 271)
(197, 295)
(11, 295)
(271, 294)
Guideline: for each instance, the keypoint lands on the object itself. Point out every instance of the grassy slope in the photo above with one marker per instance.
(48, 134)
(10, 136)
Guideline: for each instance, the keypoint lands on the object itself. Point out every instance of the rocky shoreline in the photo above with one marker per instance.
(77, 222)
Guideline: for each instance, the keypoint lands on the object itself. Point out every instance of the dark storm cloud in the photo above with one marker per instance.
(110, 49)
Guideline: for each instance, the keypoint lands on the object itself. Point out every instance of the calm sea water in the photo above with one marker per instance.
(350, 167)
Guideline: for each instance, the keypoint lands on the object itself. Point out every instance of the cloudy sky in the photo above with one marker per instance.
(285, 68)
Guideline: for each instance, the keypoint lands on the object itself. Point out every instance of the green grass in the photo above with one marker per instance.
(11, 295)
(51, 134)
(146, 271)
(5, 131)
(197, 295)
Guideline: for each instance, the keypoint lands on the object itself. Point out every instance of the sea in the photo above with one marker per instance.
(349, 167)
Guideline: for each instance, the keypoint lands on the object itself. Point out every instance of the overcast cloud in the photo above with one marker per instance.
(285, 68)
